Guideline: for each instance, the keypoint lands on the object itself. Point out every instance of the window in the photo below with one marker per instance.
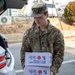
(50, 5)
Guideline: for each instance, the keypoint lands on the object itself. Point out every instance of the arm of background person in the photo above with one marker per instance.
(58, 52)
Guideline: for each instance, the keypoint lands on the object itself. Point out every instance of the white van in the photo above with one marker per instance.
(51, 10)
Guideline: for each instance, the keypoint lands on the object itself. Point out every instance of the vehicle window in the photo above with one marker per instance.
(51, 5)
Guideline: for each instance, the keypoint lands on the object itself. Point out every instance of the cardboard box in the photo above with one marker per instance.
(31, 70)
(38, 59)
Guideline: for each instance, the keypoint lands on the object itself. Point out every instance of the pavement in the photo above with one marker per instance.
(70, 45)
(13, 38)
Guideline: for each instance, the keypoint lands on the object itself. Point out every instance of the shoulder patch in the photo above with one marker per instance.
(25, 33)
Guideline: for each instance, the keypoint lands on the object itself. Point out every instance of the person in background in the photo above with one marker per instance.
(43, 37)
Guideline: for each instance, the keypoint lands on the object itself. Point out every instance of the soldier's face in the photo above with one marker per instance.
(41, 21)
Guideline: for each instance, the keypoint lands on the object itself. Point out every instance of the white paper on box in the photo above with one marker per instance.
(31, 70)
(38, 59)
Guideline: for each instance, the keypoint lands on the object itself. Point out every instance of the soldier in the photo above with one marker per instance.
(43, 37)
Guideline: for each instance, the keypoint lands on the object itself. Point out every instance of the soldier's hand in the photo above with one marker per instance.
(51, 73)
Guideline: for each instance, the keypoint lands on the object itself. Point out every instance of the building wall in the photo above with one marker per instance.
(6, 13)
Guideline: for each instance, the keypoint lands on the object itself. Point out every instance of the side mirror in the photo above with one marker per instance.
(59, 9)
(16, 4)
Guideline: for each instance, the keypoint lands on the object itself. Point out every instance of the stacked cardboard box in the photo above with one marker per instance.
(37, 63)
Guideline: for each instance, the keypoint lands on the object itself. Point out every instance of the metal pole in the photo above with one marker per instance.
(57, 16)
(52, 8)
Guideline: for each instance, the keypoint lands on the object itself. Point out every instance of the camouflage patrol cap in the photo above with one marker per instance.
(38, 9)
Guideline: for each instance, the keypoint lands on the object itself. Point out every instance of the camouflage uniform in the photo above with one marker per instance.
(51, 40)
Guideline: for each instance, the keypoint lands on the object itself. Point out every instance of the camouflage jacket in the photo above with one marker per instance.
(50, 40)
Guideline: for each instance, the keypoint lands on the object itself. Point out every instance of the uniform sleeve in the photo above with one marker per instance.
(25, 48)
(58, 52)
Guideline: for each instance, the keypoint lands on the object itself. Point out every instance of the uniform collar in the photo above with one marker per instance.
(37, 30)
